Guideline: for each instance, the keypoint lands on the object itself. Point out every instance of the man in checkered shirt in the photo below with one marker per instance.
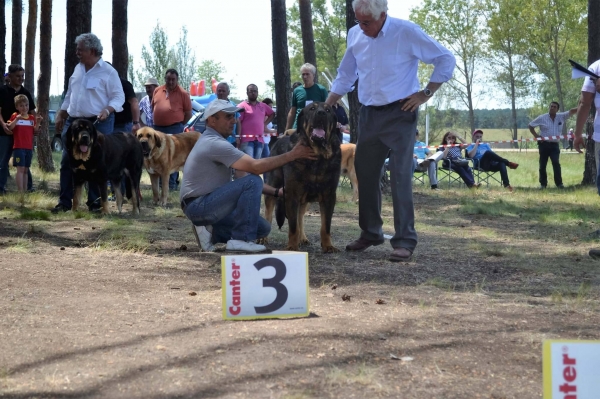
(551, 124)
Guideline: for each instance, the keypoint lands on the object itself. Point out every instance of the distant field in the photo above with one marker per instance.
(491, 135)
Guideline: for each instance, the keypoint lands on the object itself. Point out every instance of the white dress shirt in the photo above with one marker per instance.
(386, 66)
(90, 92)
(549, 127)
(590, 87)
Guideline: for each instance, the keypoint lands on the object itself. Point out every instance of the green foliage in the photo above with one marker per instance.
(211, 69)
(329, 30)
(161, 56)
(459, 26)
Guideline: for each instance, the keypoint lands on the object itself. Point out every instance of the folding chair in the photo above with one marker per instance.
(484, 176)
(445, 173)
(419, 177)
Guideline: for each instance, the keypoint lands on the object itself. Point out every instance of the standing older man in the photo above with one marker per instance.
(551, 124)
(384, 53)
(95, 93)
(304, 95)
(146, 102)
(253, 120)
(171, 107)
(223, 94)
(13, 88)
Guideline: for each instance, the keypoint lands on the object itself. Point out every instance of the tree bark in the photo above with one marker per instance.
(16, 48)
(29, 82)
(308, 39)
(281, 62)
(353, 102)
(3, 35)
(120, 59)
(79, 20)
(589, 170)
(44, 151)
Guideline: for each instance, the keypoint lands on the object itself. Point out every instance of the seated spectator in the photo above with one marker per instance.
(453, 159)
(488, 160)
(422, 162)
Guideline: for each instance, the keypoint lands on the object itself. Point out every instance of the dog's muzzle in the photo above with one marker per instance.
(145, 148)
(84, 142)
(319, 126)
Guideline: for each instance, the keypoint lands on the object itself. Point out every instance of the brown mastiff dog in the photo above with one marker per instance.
(163, 155)
(348, 153)
(307, 181)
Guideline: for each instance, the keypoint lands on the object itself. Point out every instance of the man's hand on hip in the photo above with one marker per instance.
(413, 101)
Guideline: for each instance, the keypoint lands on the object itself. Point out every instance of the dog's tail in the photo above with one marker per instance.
(280, 212)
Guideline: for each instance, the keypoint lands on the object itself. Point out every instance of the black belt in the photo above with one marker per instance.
(89, 118)
(186, 201)
(382, 107)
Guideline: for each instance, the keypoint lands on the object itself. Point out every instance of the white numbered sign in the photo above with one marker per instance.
(264, 286)
(571, 369)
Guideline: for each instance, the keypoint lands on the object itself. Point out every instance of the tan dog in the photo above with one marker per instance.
(348, 153)
(164, 154)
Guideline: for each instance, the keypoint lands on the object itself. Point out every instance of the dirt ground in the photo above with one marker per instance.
(118, 307)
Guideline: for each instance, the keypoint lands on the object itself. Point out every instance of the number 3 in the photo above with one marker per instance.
(274, 282)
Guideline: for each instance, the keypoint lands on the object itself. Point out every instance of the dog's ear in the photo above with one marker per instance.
(157, 140)
(99, 137)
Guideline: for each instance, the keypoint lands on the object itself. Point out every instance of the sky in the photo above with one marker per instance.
(236, 33)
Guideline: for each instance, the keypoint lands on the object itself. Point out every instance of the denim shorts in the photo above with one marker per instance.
(22, 157)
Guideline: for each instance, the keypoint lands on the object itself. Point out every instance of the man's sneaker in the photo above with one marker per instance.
(244, 246)
(203, 236)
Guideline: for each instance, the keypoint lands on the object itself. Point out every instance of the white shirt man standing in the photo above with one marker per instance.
(384, 53)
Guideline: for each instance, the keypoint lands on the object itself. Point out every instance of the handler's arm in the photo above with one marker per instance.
(260, 166)
(532, 130)
(583, 111)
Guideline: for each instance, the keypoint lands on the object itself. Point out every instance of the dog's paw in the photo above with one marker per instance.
(263, 241)
(304, 241)
(329, 249)
(291, 248)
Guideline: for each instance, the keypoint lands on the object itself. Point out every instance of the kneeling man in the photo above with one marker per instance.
(222, 210)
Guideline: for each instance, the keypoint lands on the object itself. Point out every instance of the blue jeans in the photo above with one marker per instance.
(6, 145)
(252, 148)
(233, 210)
(123, 127)
(172, 129)
(66, 173)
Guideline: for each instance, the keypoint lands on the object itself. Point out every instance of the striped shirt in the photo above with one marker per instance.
(549, 127)
(146, 109)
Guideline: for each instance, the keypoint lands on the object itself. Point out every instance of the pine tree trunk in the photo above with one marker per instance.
(120, 59)
(308, 39)
(30, 47)
(3, 35)
(79, 20)
(589, 171)
(281, 62)
(353, 102)
(16, 48)
(44, 151)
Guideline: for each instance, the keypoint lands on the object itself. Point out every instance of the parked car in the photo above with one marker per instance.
(55, 140)
(195, 124)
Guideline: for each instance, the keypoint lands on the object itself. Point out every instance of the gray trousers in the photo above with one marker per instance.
(382, 130)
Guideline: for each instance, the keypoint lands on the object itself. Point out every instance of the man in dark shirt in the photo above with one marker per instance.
(16, 73)
(128, 120)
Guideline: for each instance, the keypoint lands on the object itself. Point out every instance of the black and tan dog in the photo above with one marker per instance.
(163, 155)
(98, 158)
(305, 180)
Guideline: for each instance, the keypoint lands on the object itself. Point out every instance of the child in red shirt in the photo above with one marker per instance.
(24, 127)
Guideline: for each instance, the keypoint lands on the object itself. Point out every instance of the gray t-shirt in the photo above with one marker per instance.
(208, 165)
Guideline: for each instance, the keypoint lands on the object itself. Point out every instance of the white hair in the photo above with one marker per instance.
(373, 8)
(310, 67)
(225, 84)
(90, 42)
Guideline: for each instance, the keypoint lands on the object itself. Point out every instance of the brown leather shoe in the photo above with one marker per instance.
(513, 165)
(400, 255)
(361, 244)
